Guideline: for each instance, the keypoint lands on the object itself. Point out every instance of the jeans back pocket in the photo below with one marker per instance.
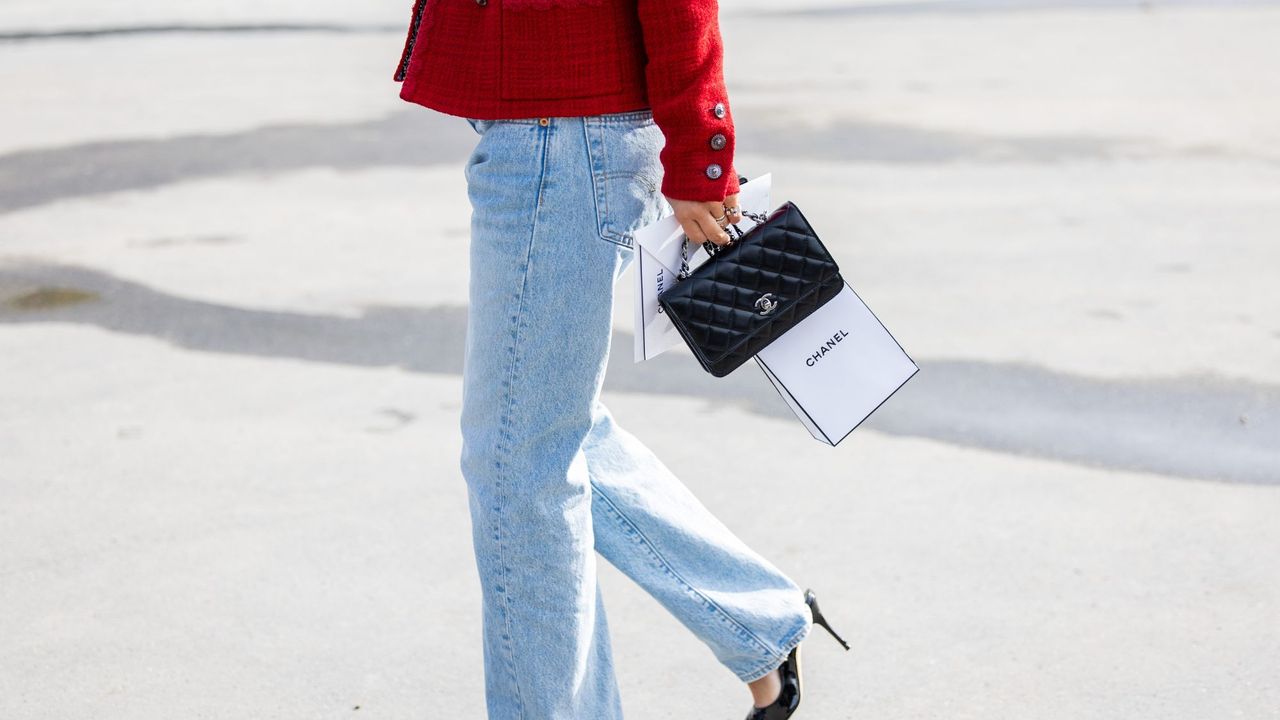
(626, 172)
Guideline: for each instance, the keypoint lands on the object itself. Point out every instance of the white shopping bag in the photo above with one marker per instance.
(836, 367)
(658, 260)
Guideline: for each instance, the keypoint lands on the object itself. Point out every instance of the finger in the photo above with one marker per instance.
(715, 207)
(693, 230)
(715, 211)
(711, 230)
(732, 209)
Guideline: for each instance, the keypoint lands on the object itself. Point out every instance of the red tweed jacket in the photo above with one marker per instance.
(493, 59)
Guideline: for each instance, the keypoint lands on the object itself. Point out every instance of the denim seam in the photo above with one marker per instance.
(596, 178)
(733, 622)
(602, 197)
(626, 116)
(599, 183)
(598, 165)
(509, 404)
(789, 641)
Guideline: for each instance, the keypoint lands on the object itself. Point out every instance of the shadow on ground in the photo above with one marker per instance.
(1189, 427)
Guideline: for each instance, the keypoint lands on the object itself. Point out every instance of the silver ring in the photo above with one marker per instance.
(735, 210)
(721, 220)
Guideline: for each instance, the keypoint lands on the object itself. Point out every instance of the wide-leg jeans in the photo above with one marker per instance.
(552, 478)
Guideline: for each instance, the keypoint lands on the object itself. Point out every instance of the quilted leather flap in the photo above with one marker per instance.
(748, 285)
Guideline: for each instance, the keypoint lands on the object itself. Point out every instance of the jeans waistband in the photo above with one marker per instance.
(627, 116)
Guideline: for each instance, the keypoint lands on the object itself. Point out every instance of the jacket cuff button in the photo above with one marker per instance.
(718, 141)
(714, 171)
(718, 110)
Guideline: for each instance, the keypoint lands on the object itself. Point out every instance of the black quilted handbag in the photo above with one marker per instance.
(752, 290)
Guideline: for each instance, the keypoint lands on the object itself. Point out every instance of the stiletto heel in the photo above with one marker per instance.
(788, 700)
(819, 619)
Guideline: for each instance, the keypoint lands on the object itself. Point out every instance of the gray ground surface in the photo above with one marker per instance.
(230, 343)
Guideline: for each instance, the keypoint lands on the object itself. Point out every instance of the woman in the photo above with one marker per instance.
(593, 116)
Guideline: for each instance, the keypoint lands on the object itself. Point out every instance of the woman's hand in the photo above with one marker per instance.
(703, 221)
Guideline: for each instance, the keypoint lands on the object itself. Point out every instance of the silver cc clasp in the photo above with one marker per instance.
(766, 304)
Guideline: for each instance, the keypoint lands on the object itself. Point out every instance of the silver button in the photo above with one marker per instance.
(718, 141)
(714, 171)
(718, 110)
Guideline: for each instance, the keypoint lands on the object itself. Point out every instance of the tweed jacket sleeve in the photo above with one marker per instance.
(687, 93)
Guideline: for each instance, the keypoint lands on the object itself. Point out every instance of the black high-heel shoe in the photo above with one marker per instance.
(784, 706)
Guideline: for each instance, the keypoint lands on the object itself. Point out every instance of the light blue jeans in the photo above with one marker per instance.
(552, 478)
